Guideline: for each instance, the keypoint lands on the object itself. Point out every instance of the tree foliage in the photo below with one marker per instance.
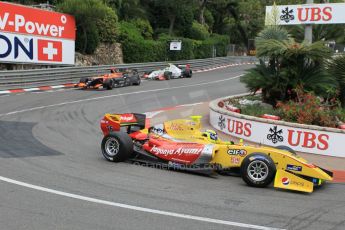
(337, 68)
(198, 31)
(94, 20)
(289, 65)
(173, 10)
(240, 20)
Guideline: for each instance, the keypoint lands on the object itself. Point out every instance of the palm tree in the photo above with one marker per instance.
(337, 68)
(286, 64)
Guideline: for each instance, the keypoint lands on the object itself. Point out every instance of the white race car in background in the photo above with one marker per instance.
(170, 72)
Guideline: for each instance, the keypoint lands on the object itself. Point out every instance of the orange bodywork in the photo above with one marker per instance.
(101, 79)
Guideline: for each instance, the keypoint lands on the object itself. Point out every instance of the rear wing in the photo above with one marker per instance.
(114, 122)
(183, 66)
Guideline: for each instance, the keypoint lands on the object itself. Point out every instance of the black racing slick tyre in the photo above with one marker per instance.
(138, 82)
(108, 84)
(117, 146)
(189, 74)
(258, 170)
(83, 80)
(167, 75)
(283, 147)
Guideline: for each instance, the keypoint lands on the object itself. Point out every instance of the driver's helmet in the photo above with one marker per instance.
(211, 134)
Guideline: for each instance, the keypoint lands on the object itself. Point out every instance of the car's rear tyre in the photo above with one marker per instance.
(138, 81)
(287, 148)
(108, 84)
(128, 82)
(117, 146)
(258, 170)
(188, 73)
(167, 75)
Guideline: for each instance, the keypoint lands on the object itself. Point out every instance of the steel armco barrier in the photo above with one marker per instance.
(50, 76)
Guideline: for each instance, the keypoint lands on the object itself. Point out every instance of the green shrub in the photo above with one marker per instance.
(108, 27)
(185, 53)
(198, 31)
(204, 49)
(336, 67)
(339, 113)
(209, 19)
(95, 22)
(135, 48)
(144, 27)
(161, 33)
(92, 41)
(87, 42)
(258, 110)
(140, 50)
(307, 110)
(128, 31)
(286, 65)
(221, 43)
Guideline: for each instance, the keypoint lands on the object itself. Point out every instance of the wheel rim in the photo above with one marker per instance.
(257, 170)
(112, 146)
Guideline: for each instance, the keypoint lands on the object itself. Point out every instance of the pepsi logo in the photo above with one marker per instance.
(286, 181)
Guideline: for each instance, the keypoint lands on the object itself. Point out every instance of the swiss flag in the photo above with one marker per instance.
(49, 50)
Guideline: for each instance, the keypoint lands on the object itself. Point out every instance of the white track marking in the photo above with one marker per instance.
(187, 105)
(150, 115)
(135, 208)
(116, 95)
(31, 89)
(57, 86)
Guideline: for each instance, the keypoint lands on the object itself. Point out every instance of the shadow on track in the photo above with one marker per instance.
(17, 140)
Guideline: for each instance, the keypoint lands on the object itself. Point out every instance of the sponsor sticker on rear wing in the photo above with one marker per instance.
(126, 119)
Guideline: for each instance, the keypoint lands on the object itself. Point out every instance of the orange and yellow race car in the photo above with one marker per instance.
(181, 144)
(118, 77)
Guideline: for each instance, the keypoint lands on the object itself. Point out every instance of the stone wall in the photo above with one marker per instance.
(105, 54)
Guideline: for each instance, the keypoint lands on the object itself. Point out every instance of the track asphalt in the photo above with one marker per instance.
(52, 174)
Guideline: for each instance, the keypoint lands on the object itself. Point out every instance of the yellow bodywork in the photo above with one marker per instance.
(290, 168)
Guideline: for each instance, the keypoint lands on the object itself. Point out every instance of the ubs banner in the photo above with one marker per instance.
(302, 140)
(306, 14)
(30, 35)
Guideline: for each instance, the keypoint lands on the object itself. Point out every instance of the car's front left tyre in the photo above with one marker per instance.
(108, 84)
(167, 75)
(117, 146)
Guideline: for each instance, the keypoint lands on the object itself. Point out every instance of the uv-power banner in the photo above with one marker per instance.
(30, 35)
(302, 140)
(306, 14)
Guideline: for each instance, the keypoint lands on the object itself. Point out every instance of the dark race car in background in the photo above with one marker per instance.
(169, 72)
(118, 77)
